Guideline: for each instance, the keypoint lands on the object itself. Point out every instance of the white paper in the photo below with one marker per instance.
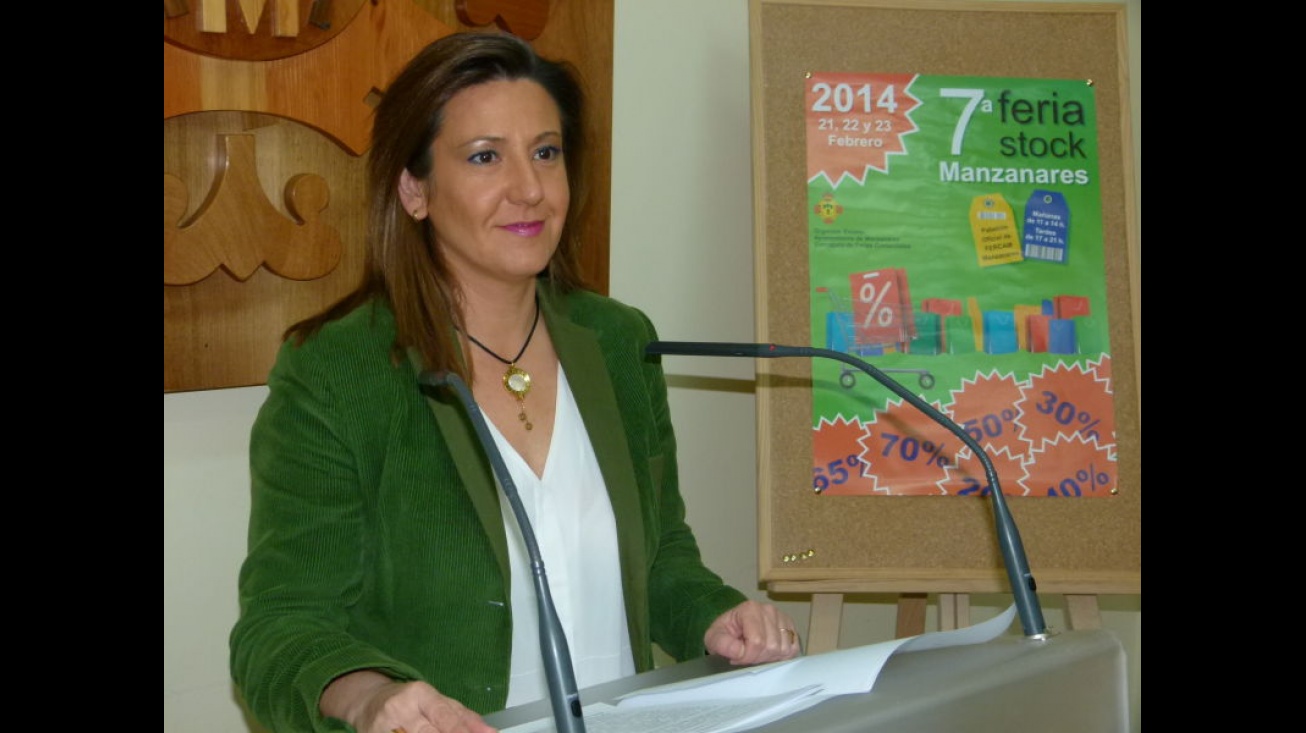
(736, 701)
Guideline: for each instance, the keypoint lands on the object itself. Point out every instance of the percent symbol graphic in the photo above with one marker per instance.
(880, 315)
(1088, 430)
(1075, 486)
(935, 453)
(1093, 477)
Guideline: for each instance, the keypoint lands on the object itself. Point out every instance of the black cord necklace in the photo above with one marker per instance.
(516, 380)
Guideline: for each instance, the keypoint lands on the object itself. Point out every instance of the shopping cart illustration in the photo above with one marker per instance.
(841, 335)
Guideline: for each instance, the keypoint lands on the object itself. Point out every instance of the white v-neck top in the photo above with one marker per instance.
(573, 524)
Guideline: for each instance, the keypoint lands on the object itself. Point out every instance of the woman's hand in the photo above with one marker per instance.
(374, 703)
(753, 633)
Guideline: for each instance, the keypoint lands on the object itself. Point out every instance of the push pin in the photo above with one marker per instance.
(795, 557)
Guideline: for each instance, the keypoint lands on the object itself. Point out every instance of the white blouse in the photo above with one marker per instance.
(572, 519)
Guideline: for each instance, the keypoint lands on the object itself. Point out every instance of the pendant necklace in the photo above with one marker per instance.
(516, 380)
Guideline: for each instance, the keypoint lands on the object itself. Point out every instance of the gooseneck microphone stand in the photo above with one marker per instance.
(1013, 551)
(565, 698)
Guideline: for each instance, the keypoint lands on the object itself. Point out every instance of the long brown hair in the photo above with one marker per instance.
(403, 264)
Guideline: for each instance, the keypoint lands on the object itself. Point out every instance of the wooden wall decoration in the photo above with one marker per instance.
(267, 110)
(238, 229)
(525, 18)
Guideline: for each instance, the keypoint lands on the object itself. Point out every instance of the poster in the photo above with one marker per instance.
(955, 242)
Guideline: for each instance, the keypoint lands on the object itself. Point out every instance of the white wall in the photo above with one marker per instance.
(205, 506)
(682, 250)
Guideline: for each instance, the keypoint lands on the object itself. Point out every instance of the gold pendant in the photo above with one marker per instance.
(518, 383)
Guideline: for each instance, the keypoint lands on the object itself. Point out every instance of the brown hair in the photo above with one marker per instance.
(403, 264)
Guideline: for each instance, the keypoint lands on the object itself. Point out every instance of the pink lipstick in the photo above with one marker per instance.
(525, 228)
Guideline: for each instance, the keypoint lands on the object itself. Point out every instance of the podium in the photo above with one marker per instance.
(1073, 682)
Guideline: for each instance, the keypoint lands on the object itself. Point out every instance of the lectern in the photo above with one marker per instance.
(1074, 682)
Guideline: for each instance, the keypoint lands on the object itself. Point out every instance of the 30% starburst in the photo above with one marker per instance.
(1067, 413)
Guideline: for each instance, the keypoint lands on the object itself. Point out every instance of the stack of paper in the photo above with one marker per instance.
(752, 696)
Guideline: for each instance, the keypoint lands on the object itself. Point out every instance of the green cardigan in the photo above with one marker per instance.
(375, 535)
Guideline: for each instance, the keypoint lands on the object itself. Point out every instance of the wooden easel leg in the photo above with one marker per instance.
(1082, 612)
(911, 614)
(823, 625)
(954, 611)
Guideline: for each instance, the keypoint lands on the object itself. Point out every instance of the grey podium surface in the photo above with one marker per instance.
(1073, 682)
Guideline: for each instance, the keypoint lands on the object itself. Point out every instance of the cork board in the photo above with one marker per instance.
(811, 542)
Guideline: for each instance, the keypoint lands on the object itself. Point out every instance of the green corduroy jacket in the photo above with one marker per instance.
(375, 535)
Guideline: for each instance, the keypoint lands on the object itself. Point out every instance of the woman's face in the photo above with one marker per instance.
(498, 195)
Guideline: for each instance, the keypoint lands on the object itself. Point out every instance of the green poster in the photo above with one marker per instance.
(955, 242)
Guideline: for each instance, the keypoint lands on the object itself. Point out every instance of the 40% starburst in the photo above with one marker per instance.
(1088, 477)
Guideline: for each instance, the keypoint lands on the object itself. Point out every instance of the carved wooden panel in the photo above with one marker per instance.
(267, 108)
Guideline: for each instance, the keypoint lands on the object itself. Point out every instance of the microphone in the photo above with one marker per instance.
(1023, 586)
(563, 695)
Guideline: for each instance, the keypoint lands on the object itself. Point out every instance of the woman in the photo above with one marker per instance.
(387, 585)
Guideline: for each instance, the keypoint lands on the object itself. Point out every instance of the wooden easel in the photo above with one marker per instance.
(1082, 612)
(954, 613)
